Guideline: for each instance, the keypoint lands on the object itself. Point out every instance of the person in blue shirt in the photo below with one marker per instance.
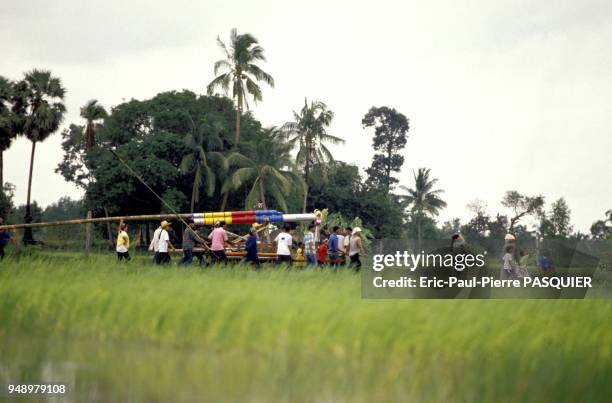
(5, 237)
(251, 248)
(332, 246)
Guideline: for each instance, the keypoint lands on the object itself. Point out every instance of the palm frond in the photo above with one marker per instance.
(260, 74)
(222, 65)
(223, 81)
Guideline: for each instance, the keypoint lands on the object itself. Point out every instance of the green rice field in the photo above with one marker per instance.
(140, 333)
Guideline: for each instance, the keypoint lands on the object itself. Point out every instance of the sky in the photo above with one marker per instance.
(501, 95)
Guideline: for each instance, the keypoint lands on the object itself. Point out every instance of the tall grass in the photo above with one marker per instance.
(307, 335)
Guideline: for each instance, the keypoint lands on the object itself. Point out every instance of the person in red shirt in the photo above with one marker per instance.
(322, 253)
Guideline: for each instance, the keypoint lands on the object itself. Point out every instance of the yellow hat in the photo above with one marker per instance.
(165, 224)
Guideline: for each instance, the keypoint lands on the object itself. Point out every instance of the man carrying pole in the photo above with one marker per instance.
(219, 238)
(189, 239)
(163, 257)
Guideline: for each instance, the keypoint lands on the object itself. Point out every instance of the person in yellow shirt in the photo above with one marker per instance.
(299, 255)
(123, 243)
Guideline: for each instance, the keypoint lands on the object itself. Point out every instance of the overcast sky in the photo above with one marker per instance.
(500, 94)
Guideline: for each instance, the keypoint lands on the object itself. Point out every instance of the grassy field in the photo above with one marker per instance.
(187, 334)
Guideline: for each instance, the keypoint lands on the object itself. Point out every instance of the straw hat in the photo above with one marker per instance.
(356, 230)
(165, 224)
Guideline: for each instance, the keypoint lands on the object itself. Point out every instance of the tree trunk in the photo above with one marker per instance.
(262, 193)
(109, 231)
(30, 178)
(224, 202)
(141, 241)
(238, 113)
(305, 198)
(306, 174)
(147, 235)
(191, 207)
(28, 239)
(419, 230)
(88, 234)
(236, 142)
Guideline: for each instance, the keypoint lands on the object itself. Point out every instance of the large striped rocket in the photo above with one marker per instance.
(249, 217)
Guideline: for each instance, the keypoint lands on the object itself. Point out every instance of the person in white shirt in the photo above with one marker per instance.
(341, 249)
(284, 241)
(163, 256)
(154, 246)
(356, 249)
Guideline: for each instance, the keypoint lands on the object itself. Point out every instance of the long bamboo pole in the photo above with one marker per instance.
(146, 217)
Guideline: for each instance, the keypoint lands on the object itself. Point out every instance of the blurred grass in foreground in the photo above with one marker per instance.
(191, 334)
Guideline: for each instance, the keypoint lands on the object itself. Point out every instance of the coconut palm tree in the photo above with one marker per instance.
(423, 199)
(7, 132)
(308, 133)
(39, 112)
(240, 72)
(266, 168)
(202, 143)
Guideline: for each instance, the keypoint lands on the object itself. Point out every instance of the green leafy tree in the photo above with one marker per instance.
(478, 225)
(73, 166)
(308, 133)
(381, 211)
(344, 191)
(423, 200)
(151, 135)
(339, 190)
(240, 72)
(449, 228)
(390, 136)
(202, 157)
(498, 227)
(39, 111)
(64, 209)
(522, 206)
(602, 229)
(7, 122)
(266, 169)
(556, 223)
(78, 143)
(6, 199)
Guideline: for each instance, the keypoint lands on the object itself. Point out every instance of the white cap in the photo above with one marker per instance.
(509, 237)
(356, 230)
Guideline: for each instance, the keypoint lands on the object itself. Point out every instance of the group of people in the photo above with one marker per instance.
(335, 248)
(161, 244)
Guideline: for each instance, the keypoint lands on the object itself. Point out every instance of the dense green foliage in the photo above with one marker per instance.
(298, 336)
(7, 121)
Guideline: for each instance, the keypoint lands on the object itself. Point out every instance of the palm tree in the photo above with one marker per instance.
(266, 169)
(308, 132)
(40, 111)
(7, 132)
(240, 72)
(423, 199)
(92, 112)
(202, 143)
